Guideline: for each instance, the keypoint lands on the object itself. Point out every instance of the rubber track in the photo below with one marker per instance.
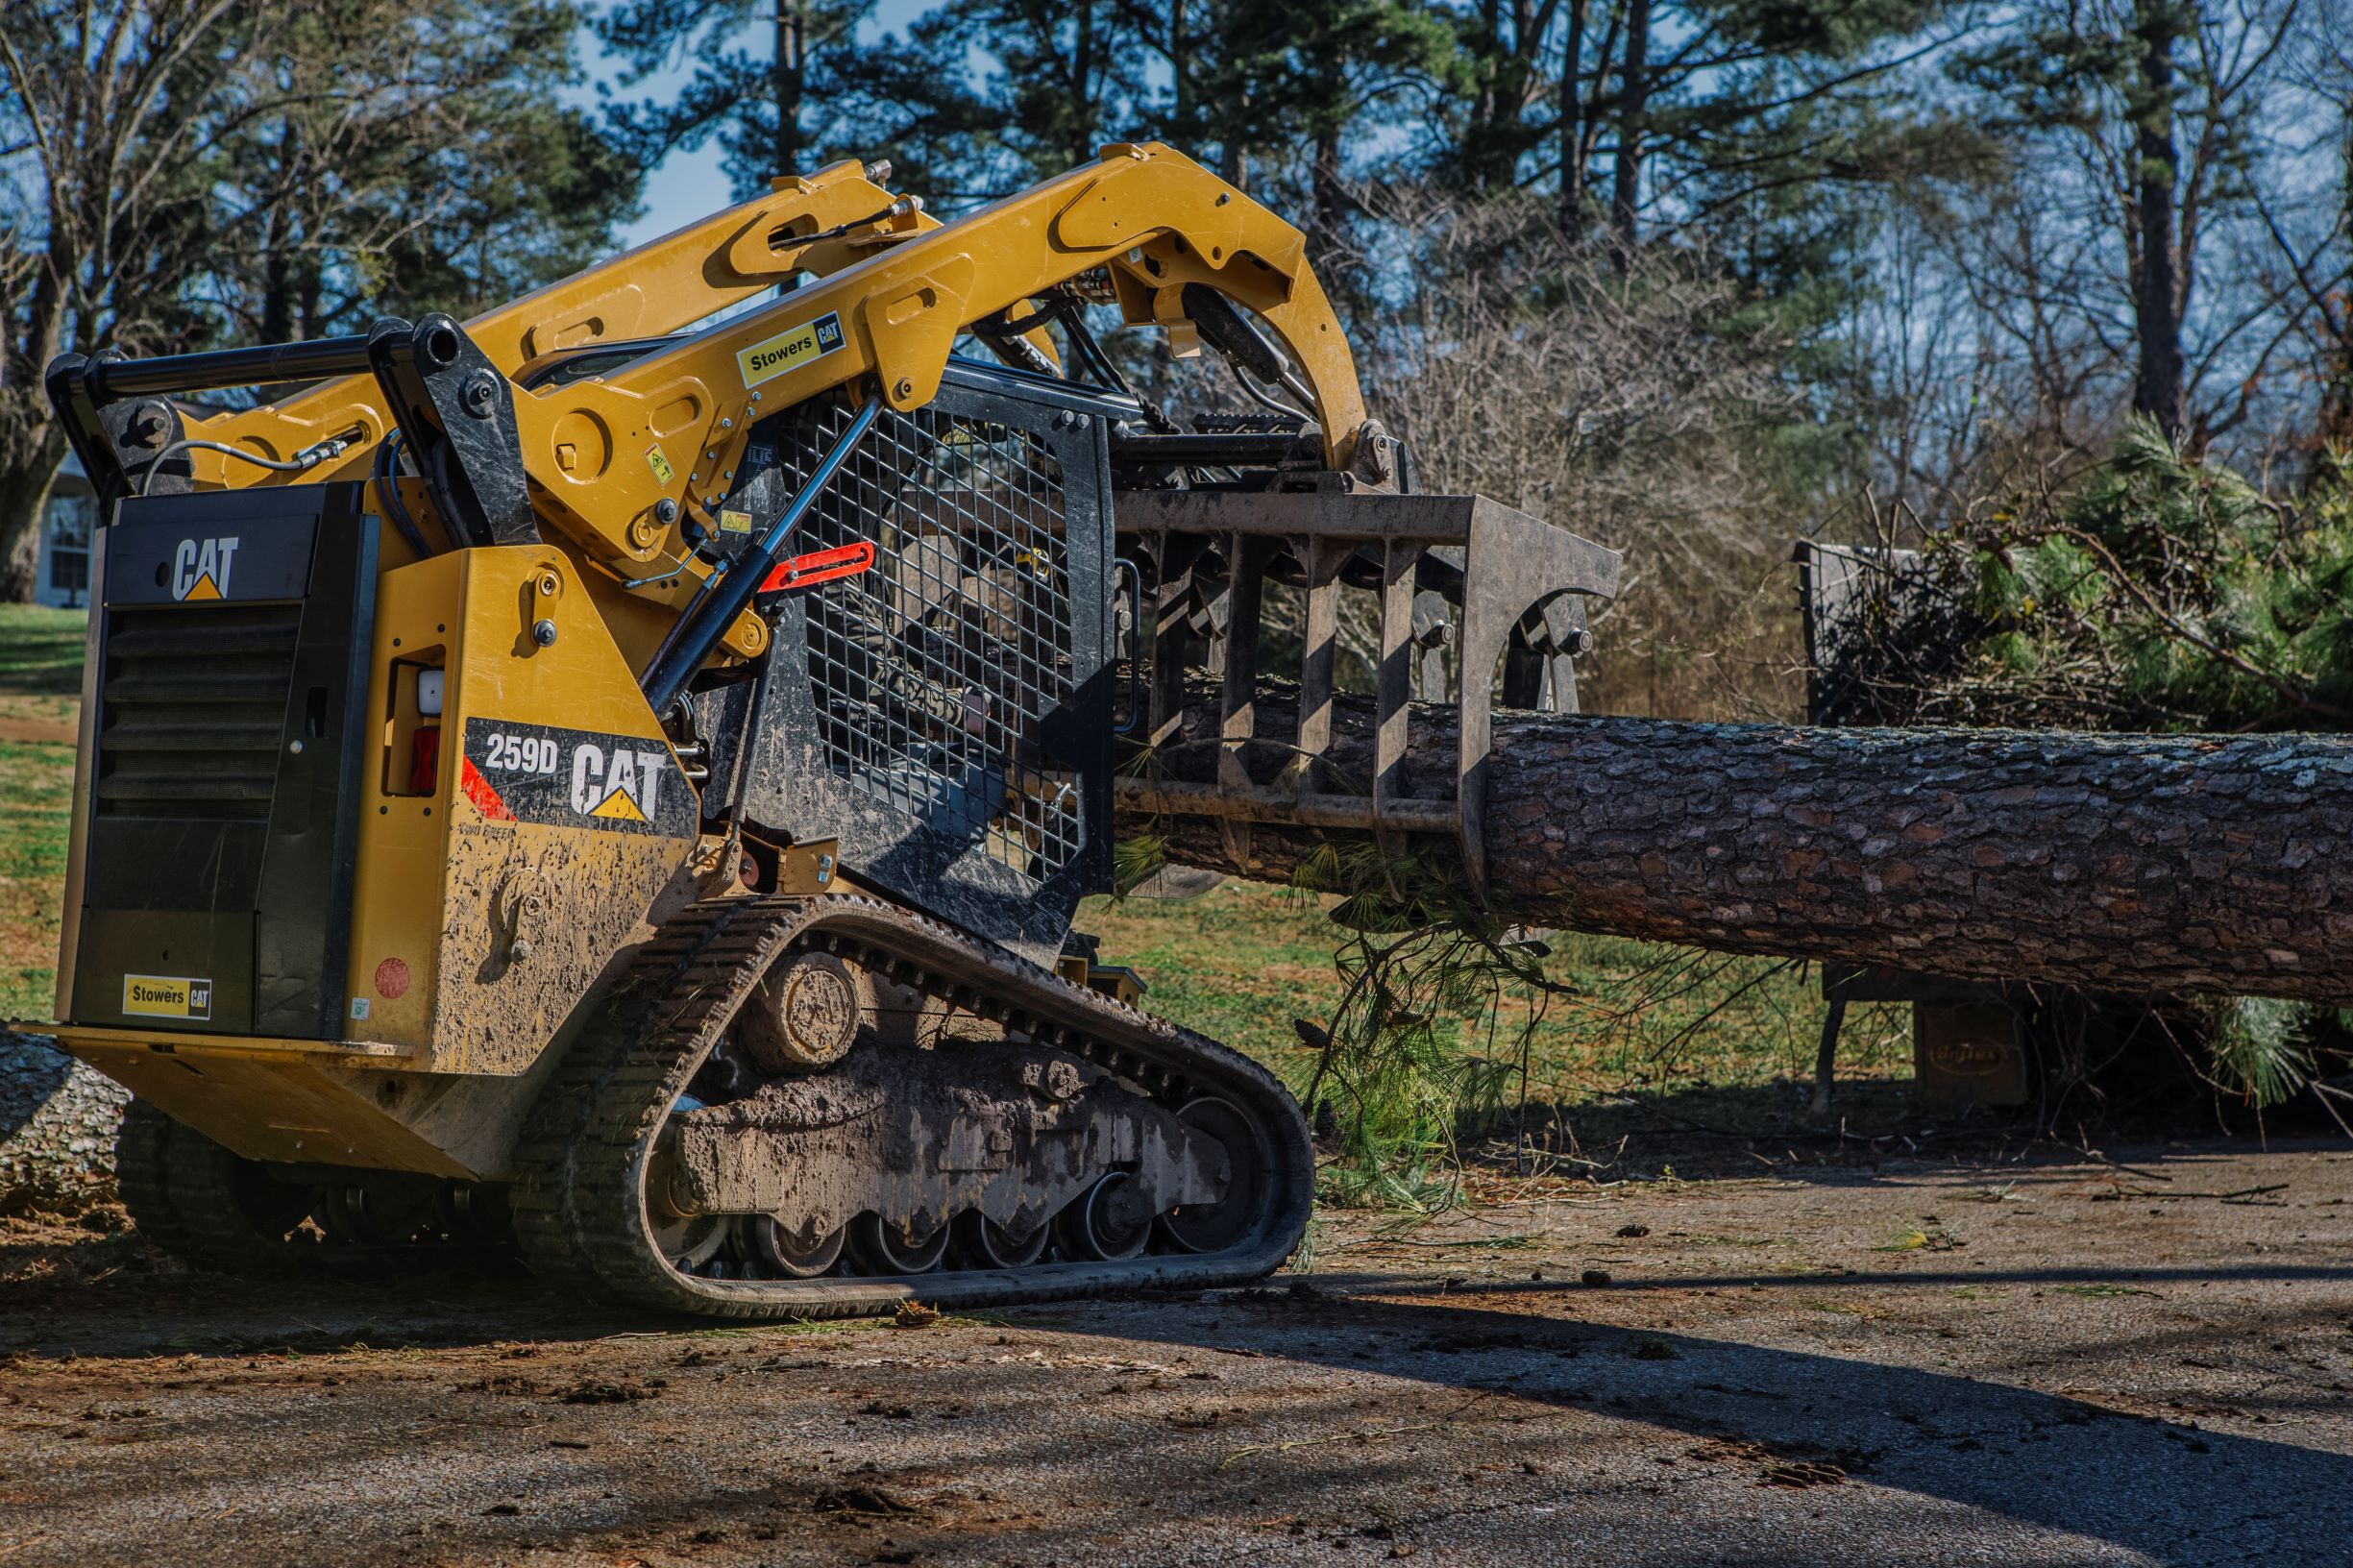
(140, 1152)
(180, 1187)
(579, 1167)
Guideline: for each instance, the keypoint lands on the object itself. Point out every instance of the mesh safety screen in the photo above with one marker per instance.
(934, 671)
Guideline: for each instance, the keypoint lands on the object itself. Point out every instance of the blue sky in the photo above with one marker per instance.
(687, 185)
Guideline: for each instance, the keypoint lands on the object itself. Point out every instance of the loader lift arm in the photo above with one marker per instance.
(628, 468)
(817, 224)
(632, 466)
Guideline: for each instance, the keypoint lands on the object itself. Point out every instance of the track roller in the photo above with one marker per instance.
(1188, 1167)
(880, 1246)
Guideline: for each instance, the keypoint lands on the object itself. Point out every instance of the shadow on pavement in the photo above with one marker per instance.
(2039, 1458)
(2043, 1459)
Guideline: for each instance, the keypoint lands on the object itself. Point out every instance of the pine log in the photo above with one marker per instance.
(57, 1128)
(2130, 864)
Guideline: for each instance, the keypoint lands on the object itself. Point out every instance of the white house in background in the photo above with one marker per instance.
(63, 577)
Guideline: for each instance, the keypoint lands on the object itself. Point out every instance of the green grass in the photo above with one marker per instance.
(1241, 963)
(40, 682)
(41, 650)
(39, 796)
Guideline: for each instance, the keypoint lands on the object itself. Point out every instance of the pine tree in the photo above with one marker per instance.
(766, 74)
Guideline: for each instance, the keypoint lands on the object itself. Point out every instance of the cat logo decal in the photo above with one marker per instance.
(622, 788)
(519, 773)
(199, 568)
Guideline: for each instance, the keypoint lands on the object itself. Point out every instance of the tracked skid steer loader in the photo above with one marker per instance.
(597, 780)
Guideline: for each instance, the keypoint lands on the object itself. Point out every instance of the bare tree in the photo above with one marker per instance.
(177, 171)
(116, 111)
(2312, 242)
(2126, 258)
(1614, 398)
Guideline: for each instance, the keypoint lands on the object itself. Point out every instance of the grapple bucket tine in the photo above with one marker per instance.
(1321, 559)
(1395, 681)
(1515, 574)
(1247, 557)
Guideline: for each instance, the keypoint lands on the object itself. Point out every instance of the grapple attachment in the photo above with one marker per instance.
(1463, 589)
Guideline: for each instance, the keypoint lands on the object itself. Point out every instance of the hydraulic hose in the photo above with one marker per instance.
(726, 591)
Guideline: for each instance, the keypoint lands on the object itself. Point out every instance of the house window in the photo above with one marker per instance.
(70, 519)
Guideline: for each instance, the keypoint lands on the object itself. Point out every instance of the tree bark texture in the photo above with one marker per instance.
(2128, 864)
(57, 1128)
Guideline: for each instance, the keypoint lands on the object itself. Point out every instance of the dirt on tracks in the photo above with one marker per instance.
(2143, 1361)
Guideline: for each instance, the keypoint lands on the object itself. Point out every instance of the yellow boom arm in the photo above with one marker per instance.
(656, 288)
(605, 454)
(624, 470)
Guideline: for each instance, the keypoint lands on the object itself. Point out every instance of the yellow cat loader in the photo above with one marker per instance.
(593, 779)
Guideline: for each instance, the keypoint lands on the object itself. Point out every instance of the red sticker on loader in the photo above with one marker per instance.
(486, 798)
(820, 566)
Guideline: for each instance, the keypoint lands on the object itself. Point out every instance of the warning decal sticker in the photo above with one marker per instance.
(576, 778)
(486, 798)
(789, 349)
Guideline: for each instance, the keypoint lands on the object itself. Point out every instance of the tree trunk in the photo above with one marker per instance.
(790, 79)
(31, 443)
(1571, 197)
(1633, 99)
(2157, 303)
(28, 472)
(2128, 863)
(1178, 51)
(1330, 198)
(1084, 91)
